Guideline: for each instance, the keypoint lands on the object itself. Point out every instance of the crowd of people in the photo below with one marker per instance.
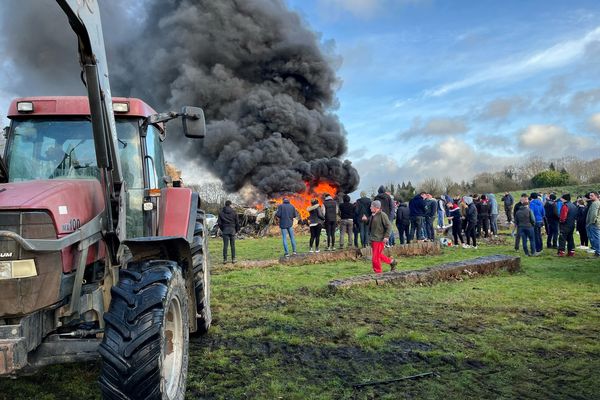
(370, 222)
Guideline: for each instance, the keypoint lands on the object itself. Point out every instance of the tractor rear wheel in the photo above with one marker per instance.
(201, 265)
(145, 345)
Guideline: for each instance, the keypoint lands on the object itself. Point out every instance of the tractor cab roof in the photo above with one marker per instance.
(74, 106)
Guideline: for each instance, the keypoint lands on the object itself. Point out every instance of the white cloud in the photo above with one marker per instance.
(556, 56)
(551, 141)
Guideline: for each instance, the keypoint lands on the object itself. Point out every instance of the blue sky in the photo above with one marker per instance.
(454, 88)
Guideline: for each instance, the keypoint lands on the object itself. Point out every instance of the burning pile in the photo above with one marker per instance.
(301, 201)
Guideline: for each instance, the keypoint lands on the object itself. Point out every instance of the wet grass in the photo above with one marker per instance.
(279, 333)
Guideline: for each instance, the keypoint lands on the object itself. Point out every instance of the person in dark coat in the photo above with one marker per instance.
(229, 224)
(455, 217)
(508, 201)
(346, 220)
(285, 214)
(471, 222)
(331, 211)
(525, 221)
(363, 210)
(552, 218)
(567, 218)
(386, 201)
(484, 215)
(403, 223)
(582, 210)
(417, 216)
(430, 216)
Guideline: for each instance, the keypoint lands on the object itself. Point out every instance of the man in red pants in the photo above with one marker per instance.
(380, 229)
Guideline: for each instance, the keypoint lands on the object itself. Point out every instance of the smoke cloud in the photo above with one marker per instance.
(264, 80)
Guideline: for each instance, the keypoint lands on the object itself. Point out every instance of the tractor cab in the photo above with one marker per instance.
(51, 138)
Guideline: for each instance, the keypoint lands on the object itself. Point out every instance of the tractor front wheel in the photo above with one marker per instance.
(145, 345)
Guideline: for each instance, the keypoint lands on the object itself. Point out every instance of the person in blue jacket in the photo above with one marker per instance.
(537, 207)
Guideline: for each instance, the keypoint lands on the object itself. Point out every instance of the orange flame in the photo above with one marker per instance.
(301, 201)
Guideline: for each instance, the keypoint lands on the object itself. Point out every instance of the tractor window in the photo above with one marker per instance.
(131, 165)
(51, 149)
(154, 146)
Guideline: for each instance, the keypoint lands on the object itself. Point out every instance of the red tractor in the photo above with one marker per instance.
(100, 253)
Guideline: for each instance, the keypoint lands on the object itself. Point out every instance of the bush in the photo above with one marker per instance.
(551, 178)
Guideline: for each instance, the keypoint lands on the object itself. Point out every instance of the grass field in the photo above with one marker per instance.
(279, 333)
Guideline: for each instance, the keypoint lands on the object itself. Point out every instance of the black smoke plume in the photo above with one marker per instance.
(262, 77)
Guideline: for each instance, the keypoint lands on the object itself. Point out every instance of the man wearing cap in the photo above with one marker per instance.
(380, 229)
(568, 215)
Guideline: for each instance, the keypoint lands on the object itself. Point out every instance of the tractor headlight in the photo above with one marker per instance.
(17, 269)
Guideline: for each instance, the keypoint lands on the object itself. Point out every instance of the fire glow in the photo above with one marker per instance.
(301, 201)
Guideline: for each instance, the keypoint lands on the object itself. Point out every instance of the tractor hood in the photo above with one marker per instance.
(71, 203)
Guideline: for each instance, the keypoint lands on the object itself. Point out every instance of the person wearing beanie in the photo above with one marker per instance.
(552, 218)
(346, 220)
(316, 218)
(537, 208)
(380, 228)
(229, 224)
(331, 211)
(567, 218)
(363, 206)
(471, 221)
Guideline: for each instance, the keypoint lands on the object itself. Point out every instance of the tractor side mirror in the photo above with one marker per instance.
(194, 124)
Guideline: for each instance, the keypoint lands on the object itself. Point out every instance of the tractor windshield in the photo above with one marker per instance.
(64, 149)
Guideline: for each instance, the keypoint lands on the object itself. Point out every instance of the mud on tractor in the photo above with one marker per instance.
(100, 256)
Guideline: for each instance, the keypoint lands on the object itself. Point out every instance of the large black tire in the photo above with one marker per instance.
(145, 345)
(200, 261)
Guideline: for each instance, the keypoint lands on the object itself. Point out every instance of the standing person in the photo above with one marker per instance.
(417, 216)
(568, 215)
(331, 210)
(471, 221)
(229, 225)
(508, 201)
(316, 218)
(493, 213)
(455, 217)
(484, 215)
(518, 205)
(582, 211)
(392, 217)
(430, 214)
(552, 220)
(539, 213)
(364, 211)
(441, 212)
(286, 214)
(525, 220)
(379, 233)
(386, 207)
(346, 220)
(403, 223)
(593, 223)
